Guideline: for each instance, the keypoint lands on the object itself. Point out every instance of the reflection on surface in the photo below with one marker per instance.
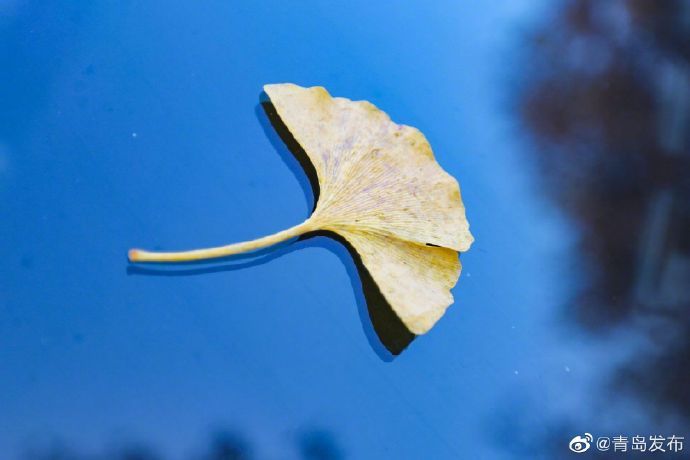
(313, 444)
(608, 106)
(86, 351)
(319, 445)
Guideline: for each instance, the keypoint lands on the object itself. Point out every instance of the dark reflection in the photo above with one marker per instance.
(228, 446)
(312, 444)
(609, 109)
(608, 106)
(136, 452)
(319, 445)
(388, 330)
(59, 451)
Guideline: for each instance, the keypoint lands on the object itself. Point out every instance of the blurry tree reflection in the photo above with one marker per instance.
(319, 445)
(607, 104)
(314, 444)
(228, 446)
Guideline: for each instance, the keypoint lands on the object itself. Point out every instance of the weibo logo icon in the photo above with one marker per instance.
(580, 444)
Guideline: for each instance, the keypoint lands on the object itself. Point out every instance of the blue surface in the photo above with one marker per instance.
(137, 124)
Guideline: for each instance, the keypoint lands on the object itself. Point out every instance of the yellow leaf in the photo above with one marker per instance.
(381, 190)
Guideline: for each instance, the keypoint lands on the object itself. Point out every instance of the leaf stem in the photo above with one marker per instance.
(139, 255)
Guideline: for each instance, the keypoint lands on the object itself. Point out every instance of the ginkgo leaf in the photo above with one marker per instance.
(381, 190)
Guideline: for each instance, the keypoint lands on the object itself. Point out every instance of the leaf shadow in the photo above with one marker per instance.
(292, 154)
(385, 332)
